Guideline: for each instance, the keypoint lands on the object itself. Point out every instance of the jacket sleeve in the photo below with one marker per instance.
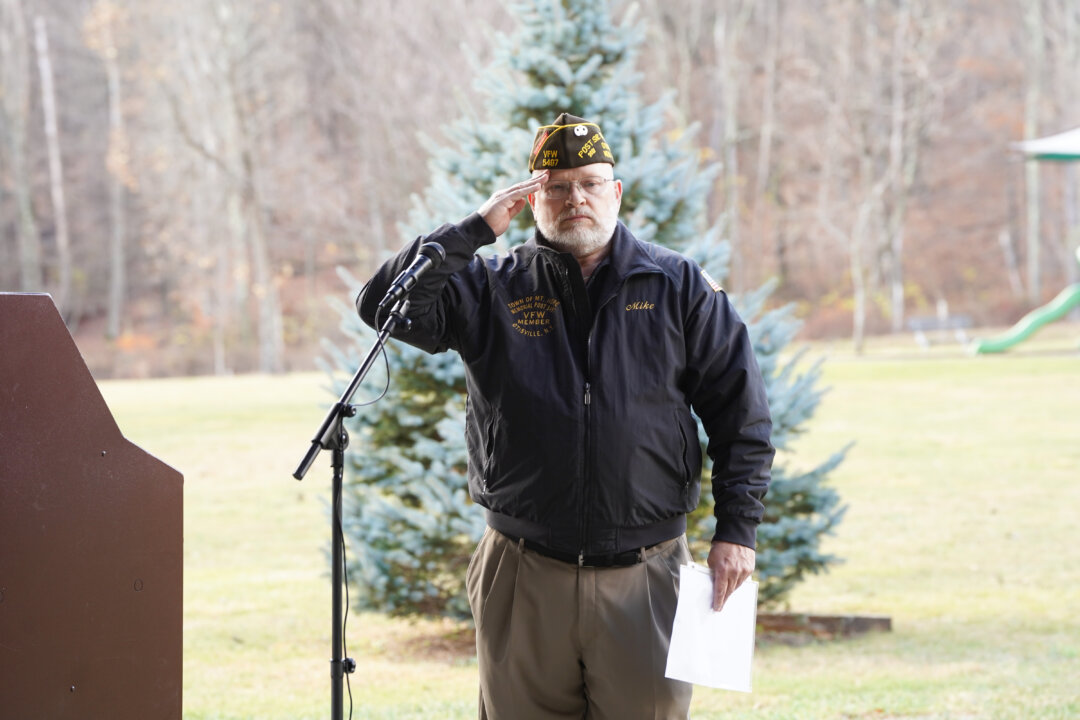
(728, 393)
(443, 295)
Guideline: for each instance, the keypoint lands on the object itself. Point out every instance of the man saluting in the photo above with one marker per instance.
(585, 351)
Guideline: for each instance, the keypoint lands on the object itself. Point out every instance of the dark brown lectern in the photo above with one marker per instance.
(91, 540)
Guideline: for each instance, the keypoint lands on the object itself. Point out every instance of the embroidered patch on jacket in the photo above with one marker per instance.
(532, 314)
(712, 283)
(640, 305)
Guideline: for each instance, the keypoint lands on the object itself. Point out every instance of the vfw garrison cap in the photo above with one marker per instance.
(569, 142)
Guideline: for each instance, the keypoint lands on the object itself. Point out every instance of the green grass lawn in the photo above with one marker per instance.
(962, 488)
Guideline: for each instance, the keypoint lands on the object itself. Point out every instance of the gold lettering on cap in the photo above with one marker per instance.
(587, 150)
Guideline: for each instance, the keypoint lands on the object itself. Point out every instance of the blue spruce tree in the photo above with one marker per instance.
(408, 518)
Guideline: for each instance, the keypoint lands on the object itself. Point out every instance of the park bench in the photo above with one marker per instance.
(931, 328)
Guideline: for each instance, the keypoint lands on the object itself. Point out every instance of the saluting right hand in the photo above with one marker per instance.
(505, 204)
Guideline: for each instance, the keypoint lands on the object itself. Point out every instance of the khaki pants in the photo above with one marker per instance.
(557, 641)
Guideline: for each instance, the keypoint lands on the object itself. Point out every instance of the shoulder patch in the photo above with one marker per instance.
(712, 283)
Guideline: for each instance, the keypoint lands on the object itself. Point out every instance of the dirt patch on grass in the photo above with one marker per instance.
(449, 646)
(426, 640)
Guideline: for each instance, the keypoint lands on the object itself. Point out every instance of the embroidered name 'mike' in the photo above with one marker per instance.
(640, 305)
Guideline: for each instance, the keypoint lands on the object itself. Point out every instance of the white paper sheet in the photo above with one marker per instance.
(710, 648)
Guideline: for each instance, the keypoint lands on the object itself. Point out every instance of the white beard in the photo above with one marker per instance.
(579, 240)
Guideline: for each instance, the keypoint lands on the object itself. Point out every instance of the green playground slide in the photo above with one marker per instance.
(1065, 301)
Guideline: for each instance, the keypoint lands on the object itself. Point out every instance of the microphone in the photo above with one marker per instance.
(430, 256)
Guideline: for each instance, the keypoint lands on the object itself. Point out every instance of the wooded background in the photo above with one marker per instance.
(184, 178)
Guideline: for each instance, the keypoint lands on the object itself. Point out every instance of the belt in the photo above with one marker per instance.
(627, 558)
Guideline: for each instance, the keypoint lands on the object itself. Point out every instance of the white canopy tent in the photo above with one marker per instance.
(1063, 146)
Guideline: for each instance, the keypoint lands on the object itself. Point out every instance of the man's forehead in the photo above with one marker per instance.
(594, 170)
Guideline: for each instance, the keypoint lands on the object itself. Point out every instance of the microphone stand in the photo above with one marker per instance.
(333, 436)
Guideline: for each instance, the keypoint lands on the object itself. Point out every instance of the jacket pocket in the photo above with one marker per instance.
(684, 451)
(489, 449)
(479, 439)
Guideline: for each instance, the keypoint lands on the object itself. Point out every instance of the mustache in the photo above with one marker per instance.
(574, 212)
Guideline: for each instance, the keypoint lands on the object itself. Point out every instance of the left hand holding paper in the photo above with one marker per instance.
(731, 566)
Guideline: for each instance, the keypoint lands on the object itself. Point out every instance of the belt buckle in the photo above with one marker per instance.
(627, 558)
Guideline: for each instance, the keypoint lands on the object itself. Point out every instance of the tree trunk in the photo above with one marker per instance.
(898, 161)
(56, 168)
(725, 126)
(1066, 19)
(858, 277)
(1072, 226)
(1012, 264)
(117, 162)
(768, 129)
(730, 20)
(869, 191)
(15, 104)
(1036, 38)
(270, 326)
(218, 237)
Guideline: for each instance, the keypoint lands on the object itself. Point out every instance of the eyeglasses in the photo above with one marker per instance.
(593, 186)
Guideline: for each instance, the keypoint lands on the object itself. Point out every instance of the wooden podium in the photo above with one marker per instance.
(91, 540)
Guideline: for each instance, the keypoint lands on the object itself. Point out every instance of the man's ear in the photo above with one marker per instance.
(532, 200)
(618, 191)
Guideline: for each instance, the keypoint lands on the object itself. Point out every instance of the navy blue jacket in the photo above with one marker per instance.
(579, 426)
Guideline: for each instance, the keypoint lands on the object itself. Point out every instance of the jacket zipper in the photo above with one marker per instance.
(587, 454)
(586, 441)
(586, 469)
(585, 463)
(569, 291)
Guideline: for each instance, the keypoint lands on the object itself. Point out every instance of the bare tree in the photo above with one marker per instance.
(771, 19)
(56, 166)
(1035, 36)
(901, 165)
(100, 36)
(220, 159)
(15, 107)
(1063, 35)
(920, 29)
(224, 111)
(850, 189)
(730, 24)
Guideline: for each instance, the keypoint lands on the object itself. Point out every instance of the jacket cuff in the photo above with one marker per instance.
(737, 530)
